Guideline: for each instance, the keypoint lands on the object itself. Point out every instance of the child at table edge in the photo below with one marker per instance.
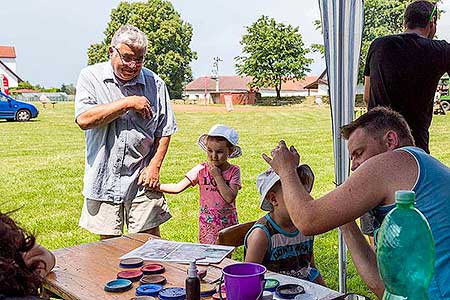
(23, 262)
(274, 241)
(218, 180)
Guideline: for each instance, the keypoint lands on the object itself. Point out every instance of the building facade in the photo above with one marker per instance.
(8, 65)
(213, 90)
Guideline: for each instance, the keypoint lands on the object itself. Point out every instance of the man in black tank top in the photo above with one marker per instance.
(402, 71)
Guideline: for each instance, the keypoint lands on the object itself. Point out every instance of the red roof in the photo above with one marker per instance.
(322, 79)
(7, 52)
(226, 83)
(24, 91)
(295, 85)
(241, 83)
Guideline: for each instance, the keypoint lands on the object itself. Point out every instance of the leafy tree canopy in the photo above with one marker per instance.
(168, 53)
(69, 89)
(25, 85)
(272, 53)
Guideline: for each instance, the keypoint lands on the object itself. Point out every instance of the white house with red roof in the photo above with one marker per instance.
(8, 65)
(321, 85)
(206, 87)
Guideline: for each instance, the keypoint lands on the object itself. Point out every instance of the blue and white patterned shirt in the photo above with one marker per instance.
(118, 151)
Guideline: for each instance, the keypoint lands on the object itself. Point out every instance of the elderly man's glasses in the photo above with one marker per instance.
(433, 12)
(128, 60)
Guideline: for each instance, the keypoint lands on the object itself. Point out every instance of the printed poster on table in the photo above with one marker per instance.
(180, 252)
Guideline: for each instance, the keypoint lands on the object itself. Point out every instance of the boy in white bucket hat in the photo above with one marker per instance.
(218, 180)
(274, 241)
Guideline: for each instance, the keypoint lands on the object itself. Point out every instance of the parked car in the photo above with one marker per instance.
(11, 109)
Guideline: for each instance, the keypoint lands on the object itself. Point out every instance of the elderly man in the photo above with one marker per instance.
(384, 160)
(126, 114)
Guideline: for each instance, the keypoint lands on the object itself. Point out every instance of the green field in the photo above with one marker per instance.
(42, 165)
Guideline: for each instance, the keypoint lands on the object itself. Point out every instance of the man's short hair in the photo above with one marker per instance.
(131, 36)
(418, 14)
(378, 121)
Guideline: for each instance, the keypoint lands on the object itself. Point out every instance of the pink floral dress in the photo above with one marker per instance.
(215, 212)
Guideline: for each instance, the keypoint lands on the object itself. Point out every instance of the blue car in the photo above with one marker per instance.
(11, 109)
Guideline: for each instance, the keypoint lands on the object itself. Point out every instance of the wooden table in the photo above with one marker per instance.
(81, 271)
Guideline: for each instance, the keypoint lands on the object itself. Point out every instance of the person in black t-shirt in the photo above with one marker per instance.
(403, 70)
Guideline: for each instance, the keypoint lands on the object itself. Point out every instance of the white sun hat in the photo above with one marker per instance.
(266, 180)
(226, 132)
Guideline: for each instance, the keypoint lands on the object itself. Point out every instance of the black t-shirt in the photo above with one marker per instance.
(404, 72)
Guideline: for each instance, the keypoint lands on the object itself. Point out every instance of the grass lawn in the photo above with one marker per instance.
(42, 164)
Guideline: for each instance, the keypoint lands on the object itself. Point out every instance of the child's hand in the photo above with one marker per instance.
(149, 177)
(40, 259)
(215, 171)
(157, 188)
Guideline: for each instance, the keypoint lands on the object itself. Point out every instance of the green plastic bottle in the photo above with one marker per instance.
(405, 251)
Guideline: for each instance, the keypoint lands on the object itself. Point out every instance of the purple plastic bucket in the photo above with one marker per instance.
(244, 281)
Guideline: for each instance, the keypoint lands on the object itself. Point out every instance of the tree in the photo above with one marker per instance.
(168, 53)
(69, 89)
(273, 53)
(25, 85)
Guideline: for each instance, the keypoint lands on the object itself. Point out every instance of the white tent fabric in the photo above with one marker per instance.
(342, 24)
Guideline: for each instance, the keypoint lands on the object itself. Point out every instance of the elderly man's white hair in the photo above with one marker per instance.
(131, 36)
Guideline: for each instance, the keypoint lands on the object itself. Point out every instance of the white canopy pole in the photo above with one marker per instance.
(342, 24)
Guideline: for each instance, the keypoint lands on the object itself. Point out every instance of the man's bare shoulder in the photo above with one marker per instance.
(390, 171)
(394, 161)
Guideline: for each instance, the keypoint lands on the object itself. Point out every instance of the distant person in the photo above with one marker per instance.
(23, 262)
(274, 241)
(384, 160)
(218, 181)
(44, 100)
(438, 108)
(125, 111)
(403, 70)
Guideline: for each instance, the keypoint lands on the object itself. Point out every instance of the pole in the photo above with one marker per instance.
(342, 24)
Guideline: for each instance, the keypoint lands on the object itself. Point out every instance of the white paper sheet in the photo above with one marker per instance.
(180, 252)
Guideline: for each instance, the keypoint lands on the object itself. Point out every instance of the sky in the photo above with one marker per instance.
(52, 36)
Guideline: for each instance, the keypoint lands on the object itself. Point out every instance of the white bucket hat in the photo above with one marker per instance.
(226, 132)
(266, 180)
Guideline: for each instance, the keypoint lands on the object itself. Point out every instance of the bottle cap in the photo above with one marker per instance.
(153, 269)
(133, 262)
(155, 279)
(271, 284)
(148, 290)
(174, 293)
(118, 285)
(267, 295)
(207, 289)
(192, 271)
(133, 275)
(289, 291)
(405, 197)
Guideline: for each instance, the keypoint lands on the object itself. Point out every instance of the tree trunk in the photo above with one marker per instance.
(278, 89)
